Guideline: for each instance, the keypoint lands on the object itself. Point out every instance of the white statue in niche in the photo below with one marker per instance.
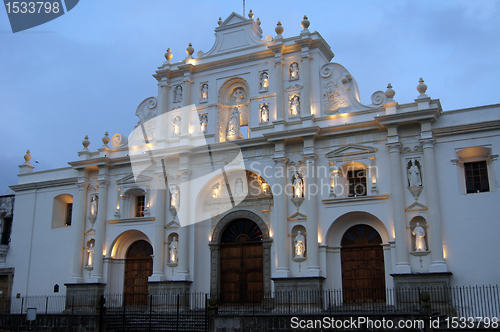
(216, 190)
(174, 197)
(174, 250)
(176, 125)
(204, 92)
(264, 81)
(298, 186)
(300, 245)
(238, 187)
(203, 123)
(233, 129)
(294, 71)
(93, 205)
(264, 113)
(90, 253)
(238, 96)
(419, 234)
(414, 174)
(295, 106)
(177, 93)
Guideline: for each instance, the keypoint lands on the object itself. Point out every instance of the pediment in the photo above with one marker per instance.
(90, 231)
(351, 150)
(297, 216)
(234, 18)
(130, 179)
(416, 207)
(172, 224)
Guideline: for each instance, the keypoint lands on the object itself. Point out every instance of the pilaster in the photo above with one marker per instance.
(100, 227)
(78, 228)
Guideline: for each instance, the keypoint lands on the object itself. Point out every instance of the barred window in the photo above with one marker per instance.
(69, 213)
(357, 183)
(476, 177)
(140, 204)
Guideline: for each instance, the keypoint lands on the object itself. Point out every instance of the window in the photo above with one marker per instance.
(140, 204)
(7, 227)
(357, 182)
(476, 177)
(69, 212)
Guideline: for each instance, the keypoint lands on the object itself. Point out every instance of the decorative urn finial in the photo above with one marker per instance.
(422, 88)
(86, 142)
(279, 29)
(258, 21)
(305, 23)
(27, 157)
(250, 14)
(220, 21)
(106, 138)
(190, 50)
(168, 55)
(390, 93)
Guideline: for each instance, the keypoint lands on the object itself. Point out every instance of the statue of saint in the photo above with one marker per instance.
(203, 123)
(233, 129)
(215, 191)
(204, 92)
(93, 205)
(414, 176)
(238, 187)
(238, 97)
(176, 127)
(295, 106)
(174, 250)
(419, 234)
(90, 253)
(264, 81)
(178, 94)
(294, 71)
(174, 197)
(300, 245)
(298, 186)
(264, 113)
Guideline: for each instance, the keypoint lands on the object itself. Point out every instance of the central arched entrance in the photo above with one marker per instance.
(241, 263)
(138, 267)
(362, 258)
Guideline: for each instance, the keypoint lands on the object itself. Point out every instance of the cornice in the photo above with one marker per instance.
(466, 128)
(431, 114)
(45, 184)
(294, 133)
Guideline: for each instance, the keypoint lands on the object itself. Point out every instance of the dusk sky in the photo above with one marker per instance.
(86, 72)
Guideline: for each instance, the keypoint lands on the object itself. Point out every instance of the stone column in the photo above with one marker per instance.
(78, 228)
(305, 75)
(186, 90)
(277, 49)
(159, 242)
(311, 195)
(398, 206)
(163, 90)
(100, 230)
(280, 227)
(184, 215)
(431, 189)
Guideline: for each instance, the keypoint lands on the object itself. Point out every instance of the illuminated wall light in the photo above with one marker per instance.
(444, 252)
(209, 237)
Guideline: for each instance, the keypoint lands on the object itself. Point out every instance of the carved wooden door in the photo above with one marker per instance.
(241, 263)
(138, 267)
(363, 272)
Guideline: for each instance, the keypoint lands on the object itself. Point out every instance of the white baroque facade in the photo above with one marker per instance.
(260, 152)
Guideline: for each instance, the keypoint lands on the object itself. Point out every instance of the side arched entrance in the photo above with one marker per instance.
(240, 258)
(138, 267)
(362, 259)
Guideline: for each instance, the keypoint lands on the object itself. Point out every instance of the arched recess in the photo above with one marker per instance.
(235, 92)
(217, 241)
(333, 241)
(115, 259)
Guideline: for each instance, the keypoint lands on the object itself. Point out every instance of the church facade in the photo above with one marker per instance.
(257, 169)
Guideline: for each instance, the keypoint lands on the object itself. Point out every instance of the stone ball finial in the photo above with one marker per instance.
(190, 50)
(250, 14)
(390, 93)
(86, 142)
(421, 87)
(168, 55)
(106, 138)
(305, 22)
(220, 21)
(258, 21)
(279, 29)
(27, 157)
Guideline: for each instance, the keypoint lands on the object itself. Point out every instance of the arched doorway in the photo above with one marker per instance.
(138, 267)
(362, 258)
(241, 263)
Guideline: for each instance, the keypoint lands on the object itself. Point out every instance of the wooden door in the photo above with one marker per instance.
(241, 263)
(363, 272)
(138, 267)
